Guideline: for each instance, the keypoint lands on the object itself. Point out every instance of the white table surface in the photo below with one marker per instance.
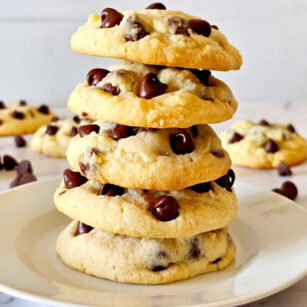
(296, 113)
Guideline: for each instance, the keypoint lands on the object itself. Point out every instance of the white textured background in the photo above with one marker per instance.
(36, 62)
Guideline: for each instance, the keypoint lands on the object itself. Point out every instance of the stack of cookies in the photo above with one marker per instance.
(150, 189)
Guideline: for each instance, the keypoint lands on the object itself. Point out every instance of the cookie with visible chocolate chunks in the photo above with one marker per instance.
(143, 260)
(135, 94)
(156, 37)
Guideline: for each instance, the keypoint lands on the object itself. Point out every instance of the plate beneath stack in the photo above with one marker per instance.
(270, 234)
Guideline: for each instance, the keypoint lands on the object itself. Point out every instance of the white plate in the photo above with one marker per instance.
(270, 232)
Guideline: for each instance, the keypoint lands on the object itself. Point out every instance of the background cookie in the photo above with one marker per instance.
(144, 260)
(135, 94)
(20, 118)
(156, 37)
(155, 214)
(264, 145)
(154, 159)
(54, 138)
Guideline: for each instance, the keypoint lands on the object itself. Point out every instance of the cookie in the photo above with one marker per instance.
(53, 139)
(21, 118)
(144, 213)
(264, 144)
(143, 260)
(156, 37)
(135, 94)
(146, 158)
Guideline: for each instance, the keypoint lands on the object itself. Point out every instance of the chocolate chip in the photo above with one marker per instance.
(55, 119)
(264, 122)
(84, 168)
(291, 128)
(135, 30)
(200, 27)
(217, 260)
(9, 162)
(204, 76)
(202, 187)
(84, 114)
(74, 131)
(44, 109)
(63, 192)
(24, 167)
(111, 190)
(150, 86)
(283, 169)
(194, 252)
(179, 25)
(120, 132)
(288, 189)
(18, 115)
(181, 143)
(87, 129)
(2, 105)
(22, 102)
(73, 179)
(76, 119)
(227, 180)
(110, 18)
(20, 141)
(23, 179)
(94, 151)
(270, 146)
(236, 138)
(218, 154)
(156, 6)
(164, 208)
(158, 268)
(214, 27)
(82, 228)
(109, 88)
(51, 130)
(1, 122)
(95, 75)
(194, 131)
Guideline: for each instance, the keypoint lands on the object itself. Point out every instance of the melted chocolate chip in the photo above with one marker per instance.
(288, 189)
(76, 119)
(135, 30)
(84, 114)
(283, 169)
(24, 167)
(194, 252)
(227, 180)
(63, 192)
(121, 132)
(22, 102)
(94, 151)
(44, 109)
(179, 25)
(264, 122)
(111, 190)
(236, 138)
(164, 208)
(194, 131)
(18, 115)
(109, 88)
(158, 268)
(270, 146)
(200, 27)
(150, 86)
(156, 6)
(204, 76)
(87, 129)
(214, 27)
(74, 131)
(291, 128)
(202, 187)
(95, 75)
(218, 154)
(2, 105)
(84, 168)
(23, 179)
(73, 179)
(55, 119)
(181, 143)
(20, 141)
(217, 260)
(110, 18)
(9, 162)
(82, 228)
(51, 130)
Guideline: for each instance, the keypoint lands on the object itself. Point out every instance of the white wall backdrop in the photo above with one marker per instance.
(37, 64)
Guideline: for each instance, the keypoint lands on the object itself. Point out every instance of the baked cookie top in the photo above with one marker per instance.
(144, 213)
(156, 37)
(21, 118)
(53, 139)
(264, 144)
(143, 260)
(147, 158)
(135, 94)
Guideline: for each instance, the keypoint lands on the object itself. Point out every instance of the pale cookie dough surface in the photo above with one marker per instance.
(146, 160)
(128, 214)
(31, 121)
(161, 46)
(144, 260)
(186, 101)
(292, 148)
(56, 145)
